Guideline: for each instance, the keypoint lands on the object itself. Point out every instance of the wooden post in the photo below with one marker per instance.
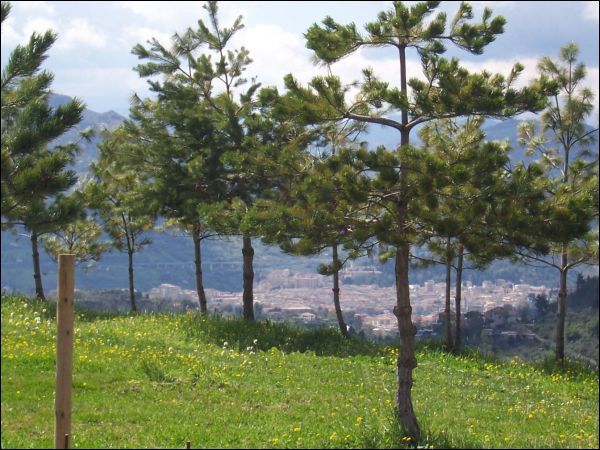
(188, 445)
(64, 350)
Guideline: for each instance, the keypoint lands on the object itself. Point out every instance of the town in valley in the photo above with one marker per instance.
(306, 300)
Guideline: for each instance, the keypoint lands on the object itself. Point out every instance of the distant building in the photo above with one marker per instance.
(165, 291)
(307, 317)
(382, 321)
(307, 281)
(501, 316)
(296, 311)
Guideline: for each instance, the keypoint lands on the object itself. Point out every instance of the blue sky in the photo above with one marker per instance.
(92, 57)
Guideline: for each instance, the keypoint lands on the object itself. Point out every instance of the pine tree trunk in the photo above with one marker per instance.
(458, 298)
(336, 293)
(447, 311)
(248, 296)
(37, 274)
(131, 288)
(561, 309)
(407, 361)
(198, 263)
(406, 352)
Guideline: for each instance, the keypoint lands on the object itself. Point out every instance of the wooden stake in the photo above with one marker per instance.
(188, 445)
(64, 350)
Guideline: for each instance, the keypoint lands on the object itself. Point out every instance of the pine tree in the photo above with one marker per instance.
(448, 90)
(565, 147)
(248, 143)
(29, 124)
(181, 64)
(337, 206)
(456, 217)
(181, 160)
(80, 238)
(34, 177)
(42, 215)
(115, 194)
(312, 216)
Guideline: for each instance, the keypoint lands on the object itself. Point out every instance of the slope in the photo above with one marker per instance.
(159, 381)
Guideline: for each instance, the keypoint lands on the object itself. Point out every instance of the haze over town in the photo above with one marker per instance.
(305, 297)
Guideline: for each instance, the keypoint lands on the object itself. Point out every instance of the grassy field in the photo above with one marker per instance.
(159, 381)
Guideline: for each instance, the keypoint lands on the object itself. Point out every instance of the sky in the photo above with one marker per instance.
(92, 57)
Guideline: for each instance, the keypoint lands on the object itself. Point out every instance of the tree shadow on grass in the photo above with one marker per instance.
(264, 335)
(391, 435)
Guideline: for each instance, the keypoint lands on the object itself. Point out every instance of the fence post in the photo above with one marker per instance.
(64, 350)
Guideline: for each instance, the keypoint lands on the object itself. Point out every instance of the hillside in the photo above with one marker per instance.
(539, 323)
(91, 119)
(153, 381)
(582, 329)
(169, 259)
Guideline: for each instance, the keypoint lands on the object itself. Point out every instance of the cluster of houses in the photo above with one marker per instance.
(306, 298)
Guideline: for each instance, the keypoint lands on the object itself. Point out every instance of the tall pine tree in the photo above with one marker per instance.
(565, 148)
(446, 90)
(246, 143)
(456, 216)
(312, 216)
(35, 176)
(181, 161)
(115, 194)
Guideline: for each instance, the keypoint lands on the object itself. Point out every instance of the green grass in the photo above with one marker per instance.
(157, 381)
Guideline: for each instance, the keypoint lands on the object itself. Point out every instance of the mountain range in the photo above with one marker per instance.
(169, 259)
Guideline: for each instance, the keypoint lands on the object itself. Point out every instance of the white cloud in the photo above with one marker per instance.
(25, 18)
(10, 35)
(177, 16)
(504, 66)
(276, 45)
(72, 33)
(169, 16)
(495, 4)
(276, 52)
(139, 35)
(286, 53)
(592, 81)
(39, 24)
(79, 32)
(591, 11)
(35, 7)
(99, 86)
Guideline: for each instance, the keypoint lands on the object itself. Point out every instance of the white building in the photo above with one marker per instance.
(165, 291)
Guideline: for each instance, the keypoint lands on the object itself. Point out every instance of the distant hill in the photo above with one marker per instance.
(581, 333)
(495, 130)
(91, 119)
(170, 259)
